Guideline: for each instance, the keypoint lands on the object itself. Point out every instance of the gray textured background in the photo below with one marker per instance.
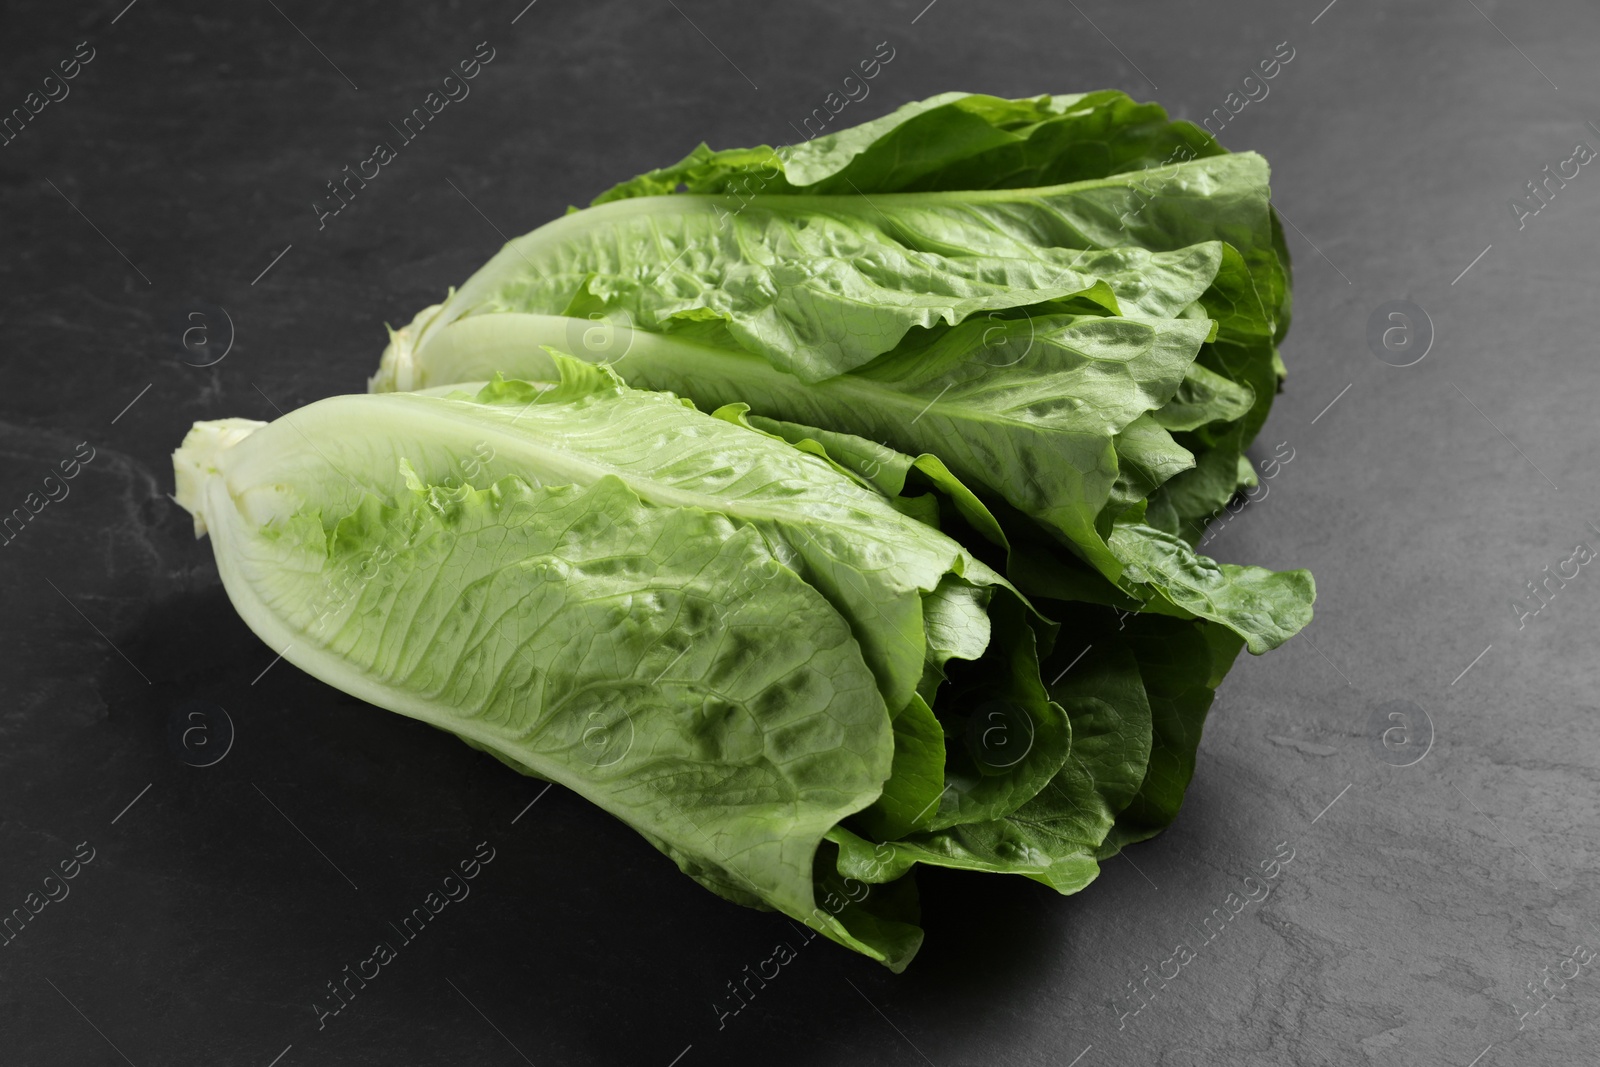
(1416, 908)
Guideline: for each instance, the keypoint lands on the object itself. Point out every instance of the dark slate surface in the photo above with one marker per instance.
(172, 189)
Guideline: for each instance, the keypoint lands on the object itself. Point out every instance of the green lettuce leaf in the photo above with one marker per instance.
(949, 141)
(817, 289)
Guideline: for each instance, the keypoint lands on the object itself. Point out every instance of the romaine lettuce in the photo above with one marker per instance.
(1109, 404)
(884, 553)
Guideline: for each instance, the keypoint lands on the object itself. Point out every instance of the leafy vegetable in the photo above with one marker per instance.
(606, 562)
(1163, 292)
(884, 555)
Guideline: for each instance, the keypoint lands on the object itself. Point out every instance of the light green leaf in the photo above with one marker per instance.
(617, 648)
(1264, 607)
